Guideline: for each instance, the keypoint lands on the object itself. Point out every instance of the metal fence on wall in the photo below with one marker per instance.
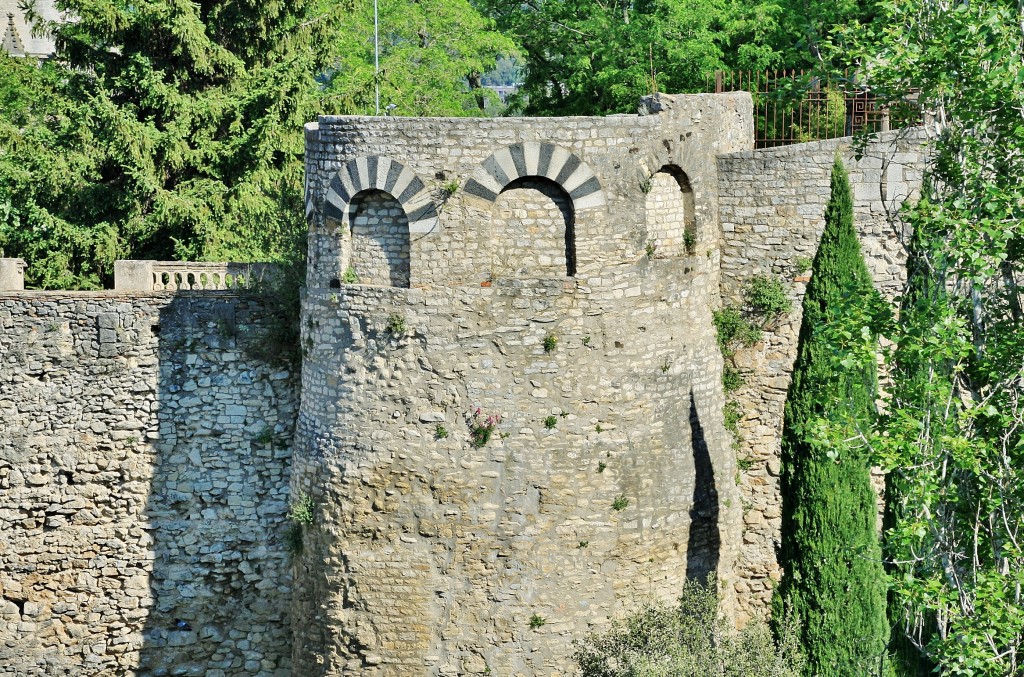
(797, 106)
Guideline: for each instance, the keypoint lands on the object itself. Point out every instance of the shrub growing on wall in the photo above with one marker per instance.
(833, 578)
(691, 639)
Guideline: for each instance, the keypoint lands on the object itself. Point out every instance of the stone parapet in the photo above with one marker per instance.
(12, 274)
(145, 275)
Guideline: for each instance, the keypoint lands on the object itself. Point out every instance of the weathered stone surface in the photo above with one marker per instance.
(772, 206)
(135, 492)
(566, 286)
(556, 292)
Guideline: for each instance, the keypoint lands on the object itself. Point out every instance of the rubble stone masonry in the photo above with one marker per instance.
(508, 428)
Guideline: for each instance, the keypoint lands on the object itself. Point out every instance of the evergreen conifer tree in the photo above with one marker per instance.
(833, 578)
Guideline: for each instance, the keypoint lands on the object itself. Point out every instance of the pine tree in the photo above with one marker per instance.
(833, 578)
(172, 129)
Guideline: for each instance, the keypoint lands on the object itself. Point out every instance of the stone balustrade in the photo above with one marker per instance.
(185, 275)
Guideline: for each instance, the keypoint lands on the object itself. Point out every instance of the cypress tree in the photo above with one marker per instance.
(833, 580)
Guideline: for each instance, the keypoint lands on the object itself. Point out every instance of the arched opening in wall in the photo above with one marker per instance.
(533, 230)
(380, 240)
(671, 223)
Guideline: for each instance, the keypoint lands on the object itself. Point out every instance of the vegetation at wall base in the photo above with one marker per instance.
(691, 639)
(831, 556)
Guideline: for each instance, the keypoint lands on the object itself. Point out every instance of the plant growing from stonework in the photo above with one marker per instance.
(734, 330)
(440, 432)
(550, 422)
(396, 324)
(766, 297)
(482, 427)
(550, 342)
(350, 276)
(294, 543)
(619, 503)
(689, 241)
(450, 188)
(302, 510)
(537, 621)
(831, 557)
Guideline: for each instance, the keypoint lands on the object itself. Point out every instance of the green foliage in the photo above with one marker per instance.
(689, 241)
(650, 249)
(350, 276)
(734, 330)
(831, 556)
(550, 422)
(766, 296)
(951, 437)
(396, 324)
(537, 621)
(732, 414)
(809, 33)
(620, 503)
(173, 130)
(277, 340)
(433, 54)
(49, 213)
(450, 188)
(302, 510)
(550, 343)
(585, 57)
(601, 465)
(803, 264)
(294, 542)
(266, 436)
(440, 432)
(690, 640)
(732, 379)
(482, 427)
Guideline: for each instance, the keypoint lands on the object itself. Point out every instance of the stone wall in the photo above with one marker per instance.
(609, 479)
(532, 229)
(380, 240)
(669, 214)
(144, 464)
(772, 206)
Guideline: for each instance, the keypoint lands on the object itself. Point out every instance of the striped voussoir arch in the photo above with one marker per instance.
(390, 176)
(543, 159)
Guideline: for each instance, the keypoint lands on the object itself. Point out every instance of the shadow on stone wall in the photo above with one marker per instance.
(218, 498)
(704, 543)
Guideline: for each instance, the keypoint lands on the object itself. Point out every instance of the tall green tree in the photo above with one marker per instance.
(833, 579)
(172, 129)
(952, 434)
(585, 57)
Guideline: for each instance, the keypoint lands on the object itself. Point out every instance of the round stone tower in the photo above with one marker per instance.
(511, 424)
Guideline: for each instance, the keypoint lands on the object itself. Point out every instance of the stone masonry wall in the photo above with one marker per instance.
(144, 464)
(772, 205)
(609, 479)
(380, 240)
(669, 211)
(530, 224)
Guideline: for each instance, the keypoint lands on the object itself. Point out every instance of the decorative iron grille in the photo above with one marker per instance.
(796, 106)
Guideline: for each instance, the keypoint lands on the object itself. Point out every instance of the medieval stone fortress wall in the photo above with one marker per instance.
(509, 426)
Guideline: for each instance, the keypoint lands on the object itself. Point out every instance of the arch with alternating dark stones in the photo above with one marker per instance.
(387, 175)
(541, 159)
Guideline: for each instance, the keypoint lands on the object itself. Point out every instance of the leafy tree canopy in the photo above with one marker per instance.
(585, 57)
(172, 129)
